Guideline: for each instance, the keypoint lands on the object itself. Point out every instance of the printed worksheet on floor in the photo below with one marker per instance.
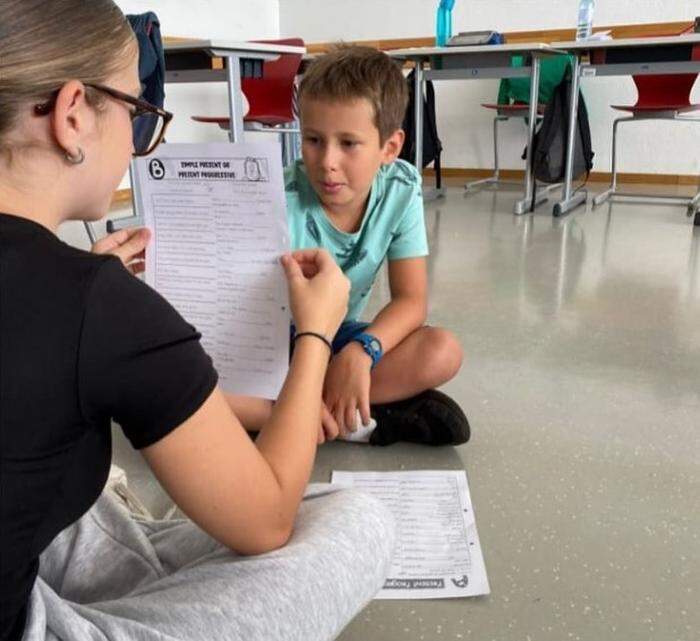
(217, 213)
(437, 554)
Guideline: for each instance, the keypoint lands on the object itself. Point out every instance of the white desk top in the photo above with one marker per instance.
(691, 38)
(223, 47)
(428, 52)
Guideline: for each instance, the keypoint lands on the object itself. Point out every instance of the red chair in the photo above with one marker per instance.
(272, 98)
(660, 97)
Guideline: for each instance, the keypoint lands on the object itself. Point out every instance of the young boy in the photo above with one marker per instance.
(352, 195)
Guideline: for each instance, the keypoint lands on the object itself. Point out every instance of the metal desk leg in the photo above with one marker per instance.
(694, 206)
(521, 206)
(92, 235)
(418, 114)
(235, 102)
(568, 201)
(418, 92)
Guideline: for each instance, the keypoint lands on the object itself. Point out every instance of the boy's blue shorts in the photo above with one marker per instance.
(346, 332)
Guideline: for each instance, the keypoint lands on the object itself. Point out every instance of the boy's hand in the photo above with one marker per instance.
(328, 429)
(347, 386)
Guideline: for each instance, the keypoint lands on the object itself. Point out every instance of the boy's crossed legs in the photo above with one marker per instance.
(404, 402)
(402, 398)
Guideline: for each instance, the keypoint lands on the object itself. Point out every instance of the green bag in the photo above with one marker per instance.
(552, 71)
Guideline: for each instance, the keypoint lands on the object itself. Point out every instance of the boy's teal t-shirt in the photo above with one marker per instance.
(393, 226)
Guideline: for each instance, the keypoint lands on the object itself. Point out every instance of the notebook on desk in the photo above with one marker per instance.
(475, 38)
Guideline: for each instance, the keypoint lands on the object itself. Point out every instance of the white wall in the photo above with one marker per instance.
(223, 19)
(464, 126)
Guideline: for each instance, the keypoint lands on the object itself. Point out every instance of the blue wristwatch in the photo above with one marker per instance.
(372, 346)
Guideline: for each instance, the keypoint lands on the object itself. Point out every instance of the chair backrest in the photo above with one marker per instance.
(273, 94)
(667, 88)
(659, 90)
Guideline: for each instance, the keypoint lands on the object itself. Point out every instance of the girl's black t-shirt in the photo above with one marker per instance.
(82, 342)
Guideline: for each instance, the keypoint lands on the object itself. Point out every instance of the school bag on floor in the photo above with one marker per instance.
(550, 143)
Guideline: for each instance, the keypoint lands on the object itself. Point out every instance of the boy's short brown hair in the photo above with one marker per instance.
(349, 72)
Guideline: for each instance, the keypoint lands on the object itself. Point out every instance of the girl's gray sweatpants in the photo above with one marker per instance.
(111, 577)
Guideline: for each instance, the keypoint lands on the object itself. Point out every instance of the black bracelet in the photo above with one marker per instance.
(319, 336)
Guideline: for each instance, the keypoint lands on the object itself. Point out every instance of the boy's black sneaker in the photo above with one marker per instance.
(430, 418)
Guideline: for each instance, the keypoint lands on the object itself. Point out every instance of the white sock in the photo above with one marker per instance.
(362, 433)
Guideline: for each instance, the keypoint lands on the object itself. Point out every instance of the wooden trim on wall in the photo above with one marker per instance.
(596, 176)
(383, 45)
(544, 35)
(121, 198)
(617, 32)
(174, 40)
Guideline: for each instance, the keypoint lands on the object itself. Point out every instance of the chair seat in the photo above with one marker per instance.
(516, 109)
(647, 109)
(269, 121)
(224, 122)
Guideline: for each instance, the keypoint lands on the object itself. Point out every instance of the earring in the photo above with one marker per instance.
(75, 160)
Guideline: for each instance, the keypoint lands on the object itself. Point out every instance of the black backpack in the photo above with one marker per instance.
(432, 147)
(550, 142)
(146, 27)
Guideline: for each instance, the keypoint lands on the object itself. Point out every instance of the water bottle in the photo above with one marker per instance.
(443, 29)
(584, 26)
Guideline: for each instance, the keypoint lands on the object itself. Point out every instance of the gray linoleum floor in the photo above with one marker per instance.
(581, 384)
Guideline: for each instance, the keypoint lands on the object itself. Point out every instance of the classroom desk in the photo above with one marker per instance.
(193, 62)
(625, 57)
(473, 63)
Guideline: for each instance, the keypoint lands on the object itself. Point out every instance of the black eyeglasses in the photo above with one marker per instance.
(148, 121)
